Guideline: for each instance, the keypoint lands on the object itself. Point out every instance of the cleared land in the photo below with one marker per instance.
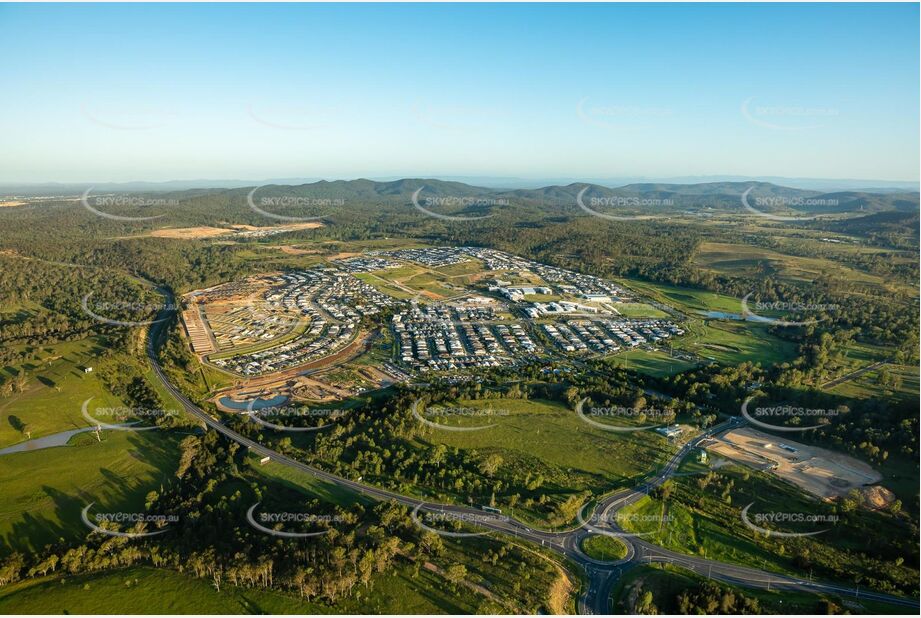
(204, 231)
(818, 471)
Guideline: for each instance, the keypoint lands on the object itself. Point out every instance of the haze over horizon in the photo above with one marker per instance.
(249, 92)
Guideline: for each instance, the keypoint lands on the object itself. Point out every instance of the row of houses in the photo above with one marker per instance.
(442, 337)
(607, 336)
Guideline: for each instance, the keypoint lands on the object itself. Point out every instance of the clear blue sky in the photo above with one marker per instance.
(157, 92)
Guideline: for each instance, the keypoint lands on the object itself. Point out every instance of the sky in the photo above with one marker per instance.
(165, 92)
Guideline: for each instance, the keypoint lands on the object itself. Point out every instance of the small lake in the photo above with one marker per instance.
(257, 403)
(722, 315)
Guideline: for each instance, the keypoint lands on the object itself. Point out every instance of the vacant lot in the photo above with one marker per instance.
(820, 472)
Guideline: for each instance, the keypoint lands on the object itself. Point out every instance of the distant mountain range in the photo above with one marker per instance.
(492, 182)
(647, 198)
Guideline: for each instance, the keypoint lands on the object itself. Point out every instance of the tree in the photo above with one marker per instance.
(456, 573)
(491, 464)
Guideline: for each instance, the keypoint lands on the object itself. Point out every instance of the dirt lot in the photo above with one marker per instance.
(189, 233)
(818, 471)
(293, 250)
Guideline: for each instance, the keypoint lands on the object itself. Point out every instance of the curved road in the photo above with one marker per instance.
(601, 576)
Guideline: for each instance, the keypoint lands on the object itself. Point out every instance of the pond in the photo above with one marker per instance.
(257, 403)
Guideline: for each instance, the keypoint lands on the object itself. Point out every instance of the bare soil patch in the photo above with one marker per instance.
(818, 471)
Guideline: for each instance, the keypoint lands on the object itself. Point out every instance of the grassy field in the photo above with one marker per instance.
(54, 393)
(602, 547)
(44, 491)
(654, 363)
(144, 590)
(732, 343)
(469, 267)
(547, 438)
(686, 299)
(740, 260)
(384, 286)
(666, 582)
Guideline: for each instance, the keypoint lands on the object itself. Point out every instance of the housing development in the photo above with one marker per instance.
(274, 323)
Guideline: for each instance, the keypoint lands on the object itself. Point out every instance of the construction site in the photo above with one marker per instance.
(820, 472)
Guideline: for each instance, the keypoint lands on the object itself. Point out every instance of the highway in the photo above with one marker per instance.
(601, 576)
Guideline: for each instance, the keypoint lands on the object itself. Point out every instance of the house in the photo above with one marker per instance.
(671, 431)
(702, 457)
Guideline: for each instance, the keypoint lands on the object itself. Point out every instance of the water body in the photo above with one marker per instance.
(722, 315)
(57, 439)
(258, 403)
